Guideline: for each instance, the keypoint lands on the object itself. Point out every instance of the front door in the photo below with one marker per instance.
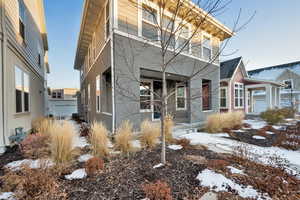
(157, 93)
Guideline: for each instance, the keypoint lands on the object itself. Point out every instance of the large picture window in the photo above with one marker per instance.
(223, 97)
(206, 48)
(22, 15)
(180, 97)
(22, 91)
(98, 92)
(206, 95)
(145, 96)
(149, 23)
(238, 95)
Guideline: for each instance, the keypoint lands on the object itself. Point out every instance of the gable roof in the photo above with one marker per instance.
(227, 68)
(273, 72)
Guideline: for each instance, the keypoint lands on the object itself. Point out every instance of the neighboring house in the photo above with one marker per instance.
(63, 103)
(111, 33)
(23, 66)
(237, 89)
(288, 74)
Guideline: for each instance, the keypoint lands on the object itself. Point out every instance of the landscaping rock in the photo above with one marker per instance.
(209, 196)
(200, 160)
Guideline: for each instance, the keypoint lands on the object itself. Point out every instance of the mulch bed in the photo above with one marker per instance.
(123, 177)
(11, 154)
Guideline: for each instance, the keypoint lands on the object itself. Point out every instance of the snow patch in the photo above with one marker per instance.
(77, 174)
(217, 182)
(256, 124)
(34, 164)
(258, 137)
(7, 196)
(136, 144)
(234, 170)
(270, 133)
(158, 165)
(278, 127)
(84, 157)
(175, 147)
(80, 142)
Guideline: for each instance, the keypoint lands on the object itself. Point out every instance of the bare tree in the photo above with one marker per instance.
(170, 21)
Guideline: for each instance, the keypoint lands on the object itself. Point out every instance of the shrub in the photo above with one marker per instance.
(36, 146)
(287, 112)
(272, 116)
(62, 135)
(169, 124)
(41, 125)
(123, 137)
(99, 140)
(218, 122)
(94, 165)
(150, 133)
(31, 184)
(185, 143)
(157, 191)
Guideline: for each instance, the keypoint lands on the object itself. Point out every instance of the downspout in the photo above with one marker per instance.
(4, 41)
(112, 15)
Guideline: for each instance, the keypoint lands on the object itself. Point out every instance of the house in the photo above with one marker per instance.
(111, 49)
(237, 89)
(23, 65)
(289, 74)
(63, 102)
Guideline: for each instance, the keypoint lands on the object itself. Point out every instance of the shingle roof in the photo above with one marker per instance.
(228, 67)
(271, 73)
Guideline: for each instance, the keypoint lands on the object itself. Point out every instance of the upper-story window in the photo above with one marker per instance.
(21, 90)
(53, 95)
(39, 54)
(289, 84)
(22, 15)
(149, 23)
(206, 48)
(107, 20)
(183, 39)
(58, 95)
(168, 35)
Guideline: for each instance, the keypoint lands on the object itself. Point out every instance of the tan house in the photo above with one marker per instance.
(23, 65)
(111, 40)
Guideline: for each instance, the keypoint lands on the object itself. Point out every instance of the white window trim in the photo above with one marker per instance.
(151, 96)
(98, 81)
(292, 84)
(205, 34)
(106, 19)
(22, 96)
(239, 97)
(185, 95)
(226, 97)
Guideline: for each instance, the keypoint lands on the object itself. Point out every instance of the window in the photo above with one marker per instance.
(206, 48)
(58, 95)
(22, 91)
(149, 22)
(145, 95)
(98, 92)
(206, 95)
(183, 40)
(107, 18)
(22, 14)
(168, 35)
(180, 97)
(54, 95)
(223, 97)
(238, 95)
(289, 84)
(39, 55)
(89, 95)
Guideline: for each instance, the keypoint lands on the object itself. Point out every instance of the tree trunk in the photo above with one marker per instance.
(163, 115)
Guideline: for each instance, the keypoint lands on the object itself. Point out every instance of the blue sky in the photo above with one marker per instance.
(271, 38)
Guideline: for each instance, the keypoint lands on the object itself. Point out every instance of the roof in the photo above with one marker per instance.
(227, 68)
(273, 72)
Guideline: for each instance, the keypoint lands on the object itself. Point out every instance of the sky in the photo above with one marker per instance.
(272, 37)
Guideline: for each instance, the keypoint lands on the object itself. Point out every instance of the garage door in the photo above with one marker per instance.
(260, 105)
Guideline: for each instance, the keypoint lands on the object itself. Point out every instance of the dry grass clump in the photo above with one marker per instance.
(35, 146)
(217, 122)
(159, 190)
(28, 184)
(185, 143)
(41, 125)
(124, 137)
(94, 165)
(62, 135)
(169, 124)
(99, 140)
(150, 133)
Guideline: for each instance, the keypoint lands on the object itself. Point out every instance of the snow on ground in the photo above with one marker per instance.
(278, 127)
(217, 182)
(7, 196)
(136, 144)
(219, 144)
(77, 174)
(34, 164)
(84, 157)
(256, 124)
(270, 133)
(235, 170)
(158, 165)
(175, 147)
(239, 131)
(78, 141)
(258, 137)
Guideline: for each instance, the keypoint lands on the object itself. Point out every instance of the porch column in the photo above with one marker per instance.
(269, 96)
(246, 100)
(279, 97)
